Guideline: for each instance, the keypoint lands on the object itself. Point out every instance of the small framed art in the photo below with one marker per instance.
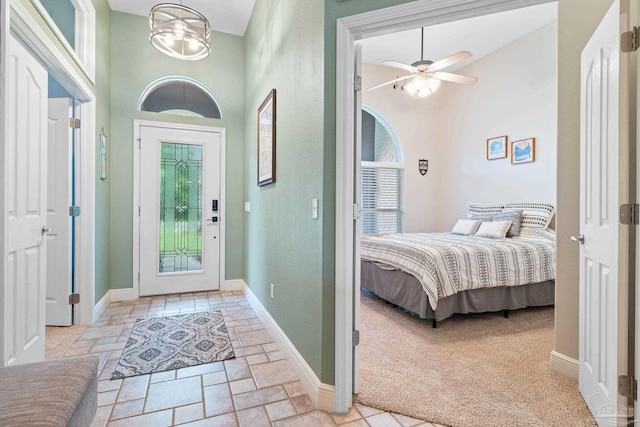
(497, 147)
(267, 140)
(523, 151)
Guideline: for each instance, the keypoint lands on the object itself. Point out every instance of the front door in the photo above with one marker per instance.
(25, 168)
(603, 255)
(59, 262)
(180, 210)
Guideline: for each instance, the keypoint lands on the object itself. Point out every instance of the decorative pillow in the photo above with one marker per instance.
(465, 227)
(481, 217)
(533, 214)
(515, 216)
(538, 233)
(485, 208)
(493, 229)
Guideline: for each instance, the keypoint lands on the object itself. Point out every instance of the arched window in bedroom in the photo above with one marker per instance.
(383, 193)
(179, 95)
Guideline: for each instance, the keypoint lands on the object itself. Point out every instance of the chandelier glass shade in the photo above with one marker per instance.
(179, 31)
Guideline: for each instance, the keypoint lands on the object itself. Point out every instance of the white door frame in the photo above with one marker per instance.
(137, 124)
(14, 17)
(349, 29)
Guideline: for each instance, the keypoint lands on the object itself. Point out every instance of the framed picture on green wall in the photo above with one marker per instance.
(267, 140)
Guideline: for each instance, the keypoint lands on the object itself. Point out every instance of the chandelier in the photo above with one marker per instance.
(179, 31)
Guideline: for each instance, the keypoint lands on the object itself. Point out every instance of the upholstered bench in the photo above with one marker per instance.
(61, 392)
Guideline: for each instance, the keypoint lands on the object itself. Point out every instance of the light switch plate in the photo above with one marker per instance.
(247, 206)
(314, 208)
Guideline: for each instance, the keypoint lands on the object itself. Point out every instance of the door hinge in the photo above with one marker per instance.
(628, 386)
(139, 142)
(357, 83)
(629, 40)
(74, 210)
(138, 277)
(355, 338)
(74, 123)
(356, 211)
(74, 299)
(139, 210)
(629, 214)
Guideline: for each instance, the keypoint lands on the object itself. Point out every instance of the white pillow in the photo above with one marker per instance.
(466, 227)
(484, 208)
(493, 229)
(533, 214)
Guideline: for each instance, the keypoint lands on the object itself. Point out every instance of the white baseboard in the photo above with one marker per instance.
(232, 285)
(112, 295)
(565, 365)
(321, 394)
(125, 294)
(98, 309)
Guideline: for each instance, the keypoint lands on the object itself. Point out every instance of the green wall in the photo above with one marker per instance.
(103, 120)
(283, 244)
(134, 64)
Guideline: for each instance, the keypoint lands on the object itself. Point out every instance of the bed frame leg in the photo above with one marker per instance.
(506, 314)
(434, 324)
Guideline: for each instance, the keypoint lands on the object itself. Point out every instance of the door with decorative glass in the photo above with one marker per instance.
(180, 210)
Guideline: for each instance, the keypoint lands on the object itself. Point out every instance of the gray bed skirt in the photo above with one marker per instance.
(403, 289)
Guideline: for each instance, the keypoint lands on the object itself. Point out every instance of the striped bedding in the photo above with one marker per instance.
(446, 263)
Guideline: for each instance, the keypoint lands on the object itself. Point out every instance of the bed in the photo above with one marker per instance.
(436, 275)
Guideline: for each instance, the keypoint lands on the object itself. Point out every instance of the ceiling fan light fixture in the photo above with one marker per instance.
(179, 32)
(422, 87)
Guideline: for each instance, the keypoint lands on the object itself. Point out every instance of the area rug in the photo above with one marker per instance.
(171, 342)
(473, 370)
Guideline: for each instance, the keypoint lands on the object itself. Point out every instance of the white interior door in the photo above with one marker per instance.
(59, 171)
(603, 254)
(180, 210)
(357, 226)
(25, 165)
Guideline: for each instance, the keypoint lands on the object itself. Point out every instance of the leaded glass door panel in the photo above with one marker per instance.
(179, 230)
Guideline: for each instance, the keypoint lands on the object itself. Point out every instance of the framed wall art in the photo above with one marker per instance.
(523, 151)
(267, 140)
(497, 147)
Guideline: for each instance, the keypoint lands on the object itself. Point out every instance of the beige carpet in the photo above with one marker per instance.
(475, 370)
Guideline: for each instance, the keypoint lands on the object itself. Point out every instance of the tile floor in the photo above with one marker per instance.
(257, 388)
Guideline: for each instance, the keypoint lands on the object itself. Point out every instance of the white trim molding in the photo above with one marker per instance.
(564, 365)
(232, 285)
(321, 394)
(85, 35)
(349, 29)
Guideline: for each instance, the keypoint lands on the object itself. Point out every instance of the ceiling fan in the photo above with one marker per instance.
(425, 75)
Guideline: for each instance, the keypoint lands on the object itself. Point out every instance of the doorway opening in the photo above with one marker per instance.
(351, 30)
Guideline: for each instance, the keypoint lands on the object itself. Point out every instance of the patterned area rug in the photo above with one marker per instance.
(171, 342)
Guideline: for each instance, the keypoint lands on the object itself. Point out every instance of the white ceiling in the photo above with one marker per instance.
(226, 16)
(480, 36)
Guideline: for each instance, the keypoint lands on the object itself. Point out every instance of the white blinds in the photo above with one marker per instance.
(382, 198)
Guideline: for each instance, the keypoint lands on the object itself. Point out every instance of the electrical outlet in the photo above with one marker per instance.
(272, 290)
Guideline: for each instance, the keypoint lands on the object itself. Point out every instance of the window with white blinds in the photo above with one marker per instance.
(382, 198)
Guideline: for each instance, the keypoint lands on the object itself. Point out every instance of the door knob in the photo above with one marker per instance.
(579, 239)
(46, 231)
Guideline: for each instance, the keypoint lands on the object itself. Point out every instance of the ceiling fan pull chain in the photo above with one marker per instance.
(422, 45)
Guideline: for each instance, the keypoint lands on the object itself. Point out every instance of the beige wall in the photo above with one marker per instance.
(577, 19)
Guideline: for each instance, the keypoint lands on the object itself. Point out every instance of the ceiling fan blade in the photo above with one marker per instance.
(397, 64)
(450, 60)
(455, 78)
(389, 82)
